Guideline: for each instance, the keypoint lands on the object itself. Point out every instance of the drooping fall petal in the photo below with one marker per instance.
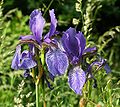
(16, 59)
(76, 79)
(22, 60)
(57, 62)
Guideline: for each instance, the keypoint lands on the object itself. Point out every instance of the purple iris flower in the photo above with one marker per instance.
(37, 23)
(56, 59)
(22, 60)
(74, 44)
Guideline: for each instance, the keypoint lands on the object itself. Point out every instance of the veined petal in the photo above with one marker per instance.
(37, 23)
(71, 31)
(47, 40)
(32, 16)
(34, 13)
(57, 62)
(65, 43)
(16, 59)
(27, 63)
(53, 25)
(71, 44)
(76, 79)
(72, 41)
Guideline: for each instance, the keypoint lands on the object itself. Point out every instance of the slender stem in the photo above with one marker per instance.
(43, 91)
(37, 94)
(48, 7)
(39, 75)
(43, 80)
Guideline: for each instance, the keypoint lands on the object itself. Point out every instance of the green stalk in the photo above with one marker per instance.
(43, 86)
(37, 94)
(38, 78)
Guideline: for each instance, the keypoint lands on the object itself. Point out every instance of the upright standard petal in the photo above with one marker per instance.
(34, 13)
(71, 44)
(53, 25)
(57, 62)
(16, 59)
(82, 40)
(37, 24)
(76, 79)
(66, 46)
(72, 41)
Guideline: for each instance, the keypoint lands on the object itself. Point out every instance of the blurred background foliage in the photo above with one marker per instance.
(99, 20)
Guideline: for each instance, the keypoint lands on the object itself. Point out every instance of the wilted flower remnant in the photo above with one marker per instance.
(58, 55)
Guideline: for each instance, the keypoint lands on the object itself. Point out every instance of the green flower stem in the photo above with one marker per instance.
(43, 86)
(38, 79)
(42, 57)
(37, 94)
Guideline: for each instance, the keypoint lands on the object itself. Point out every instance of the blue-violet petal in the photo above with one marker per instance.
(76, 79)
(27, 63)
(57, 62)
(37, 23)
(53, 24)
(16, 59)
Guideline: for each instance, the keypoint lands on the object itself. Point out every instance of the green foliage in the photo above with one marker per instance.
(87, 17)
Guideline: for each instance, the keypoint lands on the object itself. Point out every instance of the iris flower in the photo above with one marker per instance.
(25, 60)
(37, 23)
(74, 44)
(56, 59)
